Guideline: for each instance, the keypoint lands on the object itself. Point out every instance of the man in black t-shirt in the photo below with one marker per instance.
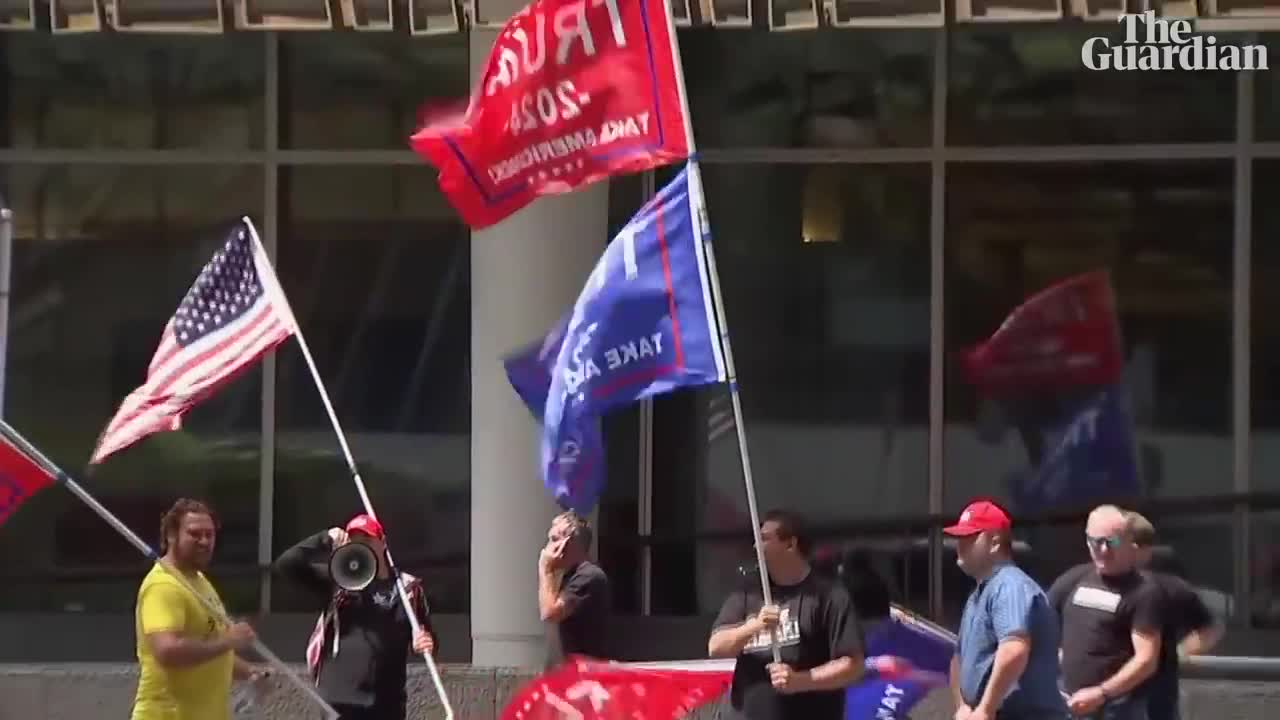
(1111, 618)
(817, 632)
(573, 592)
(1189, 628)
(361, 643)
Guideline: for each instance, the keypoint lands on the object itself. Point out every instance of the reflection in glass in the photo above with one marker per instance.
(1264, 395)
(382, 79)
(131, 91)
(96, 276)
(823, 88)
(1054, 369)
(1027, 86)
(825, 272)
(1267, 94)
(1163, 231)
(379, 279)
(1264, 573)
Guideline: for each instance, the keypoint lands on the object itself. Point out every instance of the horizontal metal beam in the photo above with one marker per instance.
(805, 156)
(36, 156)
(1221, 667)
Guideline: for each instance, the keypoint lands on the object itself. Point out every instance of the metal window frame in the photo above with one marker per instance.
(1243, 151)
(937, 315)
(776, 156)
(644, 473)
(271, 242)
(1241, 335)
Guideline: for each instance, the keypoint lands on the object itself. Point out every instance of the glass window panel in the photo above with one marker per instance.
(382, 80)
(1163, 231)
(1264, 577)
(897, 562)
(1192, 546)
(380, 281)
(1028, 86)
(131, 91)
(1264, 395)
(617, 521)
(825, 273)
(1267, 96)
(823, 88)
(102, 256)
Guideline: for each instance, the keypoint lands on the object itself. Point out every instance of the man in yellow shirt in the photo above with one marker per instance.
(187, 654)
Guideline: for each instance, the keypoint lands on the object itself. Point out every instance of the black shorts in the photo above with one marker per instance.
(358, 712)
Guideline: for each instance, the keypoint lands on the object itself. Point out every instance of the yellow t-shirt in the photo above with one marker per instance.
(199, 692)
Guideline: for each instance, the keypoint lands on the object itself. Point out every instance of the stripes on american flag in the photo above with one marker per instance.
(233, 314)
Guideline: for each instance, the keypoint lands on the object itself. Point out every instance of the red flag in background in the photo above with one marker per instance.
(596, 690)
(1065, 336)
(20, 477)
(572, 93)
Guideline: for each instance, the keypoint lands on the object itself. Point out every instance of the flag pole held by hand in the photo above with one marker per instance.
(116, 524)
(364, 494)
(731, 374)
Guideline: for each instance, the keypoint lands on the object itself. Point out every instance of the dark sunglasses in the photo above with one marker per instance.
(1099, 543)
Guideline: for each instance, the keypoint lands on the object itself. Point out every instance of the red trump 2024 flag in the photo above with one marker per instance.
(595, 690)
(574, 91)
(1065, 336)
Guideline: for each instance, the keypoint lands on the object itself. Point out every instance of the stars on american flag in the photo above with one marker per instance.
(226, 288)
(234, 313)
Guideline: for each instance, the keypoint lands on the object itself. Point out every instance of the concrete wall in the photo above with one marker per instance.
(82, 691)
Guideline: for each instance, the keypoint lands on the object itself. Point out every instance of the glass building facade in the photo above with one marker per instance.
(880, 200)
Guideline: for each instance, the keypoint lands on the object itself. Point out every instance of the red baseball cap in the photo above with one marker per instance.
(367, 525)
(977, 517)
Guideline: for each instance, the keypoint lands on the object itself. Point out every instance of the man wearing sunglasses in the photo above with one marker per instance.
(1111, 616)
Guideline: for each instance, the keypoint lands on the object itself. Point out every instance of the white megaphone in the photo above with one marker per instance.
(353, 566)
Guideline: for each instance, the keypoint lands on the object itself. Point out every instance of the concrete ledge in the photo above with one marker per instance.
(76, 691)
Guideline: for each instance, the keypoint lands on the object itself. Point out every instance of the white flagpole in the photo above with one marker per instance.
(731, 375)
(141, 545)
(355, 476)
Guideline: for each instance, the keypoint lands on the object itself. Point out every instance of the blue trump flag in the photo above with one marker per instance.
(927, 650)
(579, 471)
(1090, 455)
(643, 325)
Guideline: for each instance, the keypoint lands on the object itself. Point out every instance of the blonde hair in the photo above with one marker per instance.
(1141, 529)
(1125, 515)
(579, 527)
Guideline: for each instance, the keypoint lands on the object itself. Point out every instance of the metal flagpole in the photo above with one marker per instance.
(360, 488)
(6, 275)
(142, 547)
(731, 376)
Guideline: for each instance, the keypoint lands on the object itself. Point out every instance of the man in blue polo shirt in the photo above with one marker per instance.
(1006, 661)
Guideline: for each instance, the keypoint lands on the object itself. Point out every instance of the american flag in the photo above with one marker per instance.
(233, 314)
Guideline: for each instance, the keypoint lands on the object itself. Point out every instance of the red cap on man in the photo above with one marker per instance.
(367, 525)
(977, 517)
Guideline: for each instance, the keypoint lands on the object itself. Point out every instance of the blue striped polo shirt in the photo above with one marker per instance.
(1006, 603)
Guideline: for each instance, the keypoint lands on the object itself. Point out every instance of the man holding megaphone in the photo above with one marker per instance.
(362, 640)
